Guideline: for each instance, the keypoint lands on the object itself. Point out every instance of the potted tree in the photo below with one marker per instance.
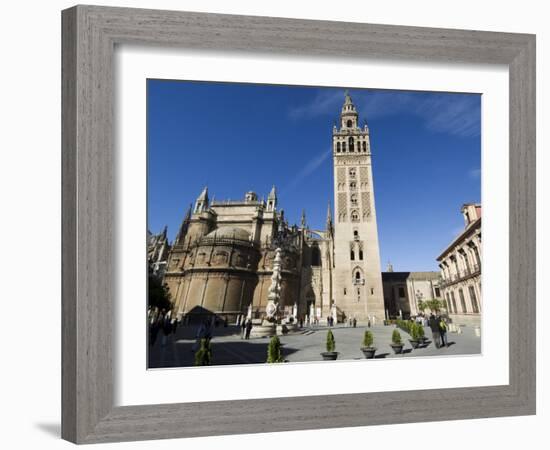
(368, 349)
(396, 342)
(330, 354)
(415, 335)
(274, 351)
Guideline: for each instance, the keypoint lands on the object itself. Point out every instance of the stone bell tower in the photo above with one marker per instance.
(357, 288)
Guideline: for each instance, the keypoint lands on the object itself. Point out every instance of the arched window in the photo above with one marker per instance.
(353, 199)
(357, 277)
(343, 146)
(352, 172)
(349, 123)
(352, 255)
(352, 186)
(355, 233)
(462, 301)
(360, 255)
(364, 146)
(354, 216)
(315, 257)
(351, 144)
(338, 147)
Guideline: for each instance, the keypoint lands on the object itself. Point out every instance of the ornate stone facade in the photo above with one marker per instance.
(404, 290)
(222, 258)
(357, 281)
(460, 265)
(158, 249)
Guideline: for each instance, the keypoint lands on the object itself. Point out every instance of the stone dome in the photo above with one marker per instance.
(229, 233)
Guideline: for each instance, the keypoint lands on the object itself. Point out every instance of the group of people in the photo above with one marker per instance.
(438, 325)
(160, 321)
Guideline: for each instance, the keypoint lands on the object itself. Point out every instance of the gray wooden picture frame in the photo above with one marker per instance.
(90, 34)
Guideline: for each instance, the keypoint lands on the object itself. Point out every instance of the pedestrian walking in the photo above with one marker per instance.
(166, 326)
(243, 328)
(443, 331)
(354, 322)
(154, 327)
(248, 328)
(434, 326)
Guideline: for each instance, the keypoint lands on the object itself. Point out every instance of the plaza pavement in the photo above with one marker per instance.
(302, 346)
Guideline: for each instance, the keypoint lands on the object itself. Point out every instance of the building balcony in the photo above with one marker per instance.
(469, 272)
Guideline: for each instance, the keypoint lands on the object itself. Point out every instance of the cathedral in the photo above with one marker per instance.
(221, 261)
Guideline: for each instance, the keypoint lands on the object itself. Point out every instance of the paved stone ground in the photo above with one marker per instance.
(305, 345)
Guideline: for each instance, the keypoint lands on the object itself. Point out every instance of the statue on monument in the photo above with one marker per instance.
(274, 295)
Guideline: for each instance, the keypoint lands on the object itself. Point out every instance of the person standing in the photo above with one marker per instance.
(434, 326)
(248, 328)
(443, 331)
(354, 322)
(154, 327)
(243, 328)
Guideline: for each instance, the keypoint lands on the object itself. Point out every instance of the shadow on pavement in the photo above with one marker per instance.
(180, 354)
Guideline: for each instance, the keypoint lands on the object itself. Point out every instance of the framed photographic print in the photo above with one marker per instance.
(256, 209)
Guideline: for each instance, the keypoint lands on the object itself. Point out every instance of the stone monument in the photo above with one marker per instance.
(268, 326)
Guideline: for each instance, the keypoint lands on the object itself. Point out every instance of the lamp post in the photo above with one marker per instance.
(419, 295)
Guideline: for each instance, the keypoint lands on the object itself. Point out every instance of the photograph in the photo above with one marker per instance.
(300, 224)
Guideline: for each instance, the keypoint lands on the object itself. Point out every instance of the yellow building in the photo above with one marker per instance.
(460, 265)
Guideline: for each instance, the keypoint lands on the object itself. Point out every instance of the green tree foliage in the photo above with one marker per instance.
(414, 331)
(405, 325)
(331, 342)
(435, 305)
(204, 356)
(158, 294)
(368, 339)
(422, 305)
(396, 337)
(274, 351)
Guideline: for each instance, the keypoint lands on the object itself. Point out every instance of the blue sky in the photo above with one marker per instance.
(426, 152)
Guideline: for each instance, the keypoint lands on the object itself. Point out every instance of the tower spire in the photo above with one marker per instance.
(329, 214)
(202, 201)
(184, 226)
(329, 219)
(349, 118)
(303, 221)
(272, 200)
